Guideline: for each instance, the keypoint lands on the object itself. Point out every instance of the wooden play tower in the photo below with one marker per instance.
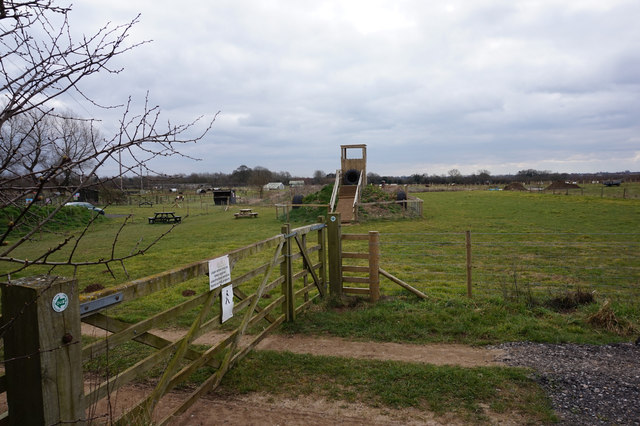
(350, 180)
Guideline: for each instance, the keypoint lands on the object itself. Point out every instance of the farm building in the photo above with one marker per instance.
(296, 183)
(223, 197)
(273, 186)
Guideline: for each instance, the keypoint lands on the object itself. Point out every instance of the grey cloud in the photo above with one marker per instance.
(427, 86)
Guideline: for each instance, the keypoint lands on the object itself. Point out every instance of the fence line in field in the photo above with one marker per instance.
(502, 263)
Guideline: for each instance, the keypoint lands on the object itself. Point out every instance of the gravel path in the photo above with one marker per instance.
(588, 384)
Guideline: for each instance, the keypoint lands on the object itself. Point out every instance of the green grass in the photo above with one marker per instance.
(509, 312)
(443, 389)
(205, 233)
(209, 231)
(520, 241)
(68, 218)
(477, 321)
(504, 211)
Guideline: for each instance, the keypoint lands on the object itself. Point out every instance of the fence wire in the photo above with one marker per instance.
(516, 263)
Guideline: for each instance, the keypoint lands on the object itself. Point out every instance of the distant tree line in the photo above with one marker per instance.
(484, 177)
(241, 176)
(258, 176)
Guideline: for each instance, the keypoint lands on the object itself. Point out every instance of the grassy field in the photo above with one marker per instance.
(491, 316)
(553, 222)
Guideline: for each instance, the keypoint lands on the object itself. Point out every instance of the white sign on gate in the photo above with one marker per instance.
(226, 300)
(219, 272)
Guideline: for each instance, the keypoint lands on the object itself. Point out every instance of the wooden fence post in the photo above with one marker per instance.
(374, 265)
(287, 270)
(468, 245)
(43, 351)
(322, 254)
(334, 246)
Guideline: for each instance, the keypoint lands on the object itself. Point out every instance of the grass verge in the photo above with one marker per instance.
(466, 392)
(478, 321)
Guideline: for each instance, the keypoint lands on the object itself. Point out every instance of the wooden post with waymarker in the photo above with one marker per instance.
(43, 351)
(334, 249)
(322, 253)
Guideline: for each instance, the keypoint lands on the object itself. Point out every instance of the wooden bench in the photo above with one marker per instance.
(245, 213)
(165, 217)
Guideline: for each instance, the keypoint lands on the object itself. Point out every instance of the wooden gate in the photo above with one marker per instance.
(289, 275)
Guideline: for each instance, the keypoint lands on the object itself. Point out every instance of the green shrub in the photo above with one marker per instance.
(66, 218)
(310, 214)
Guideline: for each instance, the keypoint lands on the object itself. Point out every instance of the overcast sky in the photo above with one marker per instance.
(428, 86)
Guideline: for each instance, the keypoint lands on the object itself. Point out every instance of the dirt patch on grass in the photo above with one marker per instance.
(256, 408)
(266, 409)
(436, 354)
(93, 287)
(570, 300)
(433, 353)
(515, 186)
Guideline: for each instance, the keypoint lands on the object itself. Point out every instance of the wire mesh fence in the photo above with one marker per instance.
(513, 264)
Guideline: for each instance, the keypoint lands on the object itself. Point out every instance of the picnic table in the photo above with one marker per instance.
(165, 217)
(245, 213)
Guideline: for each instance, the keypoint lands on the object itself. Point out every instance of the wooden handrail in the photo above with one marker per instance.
(334, 194)
(356, 198)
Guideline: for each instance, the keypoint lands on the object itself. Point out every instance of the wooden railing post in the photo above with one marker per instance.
(468, 246)
(42, 351)
(334, 246)
(374, 265)
(322, 254)
(288, 307)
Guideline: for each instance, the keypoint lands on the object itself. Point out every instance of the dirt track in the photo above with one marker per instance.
(260, 409)
(437, 354)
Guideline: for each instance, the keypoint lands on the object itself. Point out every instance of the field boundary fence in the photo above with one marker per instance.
(629, 191)
(515, 264)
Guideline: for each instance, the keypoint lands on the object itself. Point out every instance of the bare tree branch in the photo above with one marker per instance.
(47, 151)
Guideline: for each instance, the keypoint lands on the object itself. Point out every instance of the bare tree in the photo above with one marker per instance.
(318, 177)
(454, 176)
(26, 139)
(75, 139)
(41, 148)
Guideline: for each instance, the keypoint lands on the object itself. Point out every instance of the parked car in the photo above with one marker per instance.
(85, 205)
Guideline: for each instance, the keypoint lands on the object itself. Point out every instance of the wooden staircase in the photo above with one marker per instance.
(346, 197)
